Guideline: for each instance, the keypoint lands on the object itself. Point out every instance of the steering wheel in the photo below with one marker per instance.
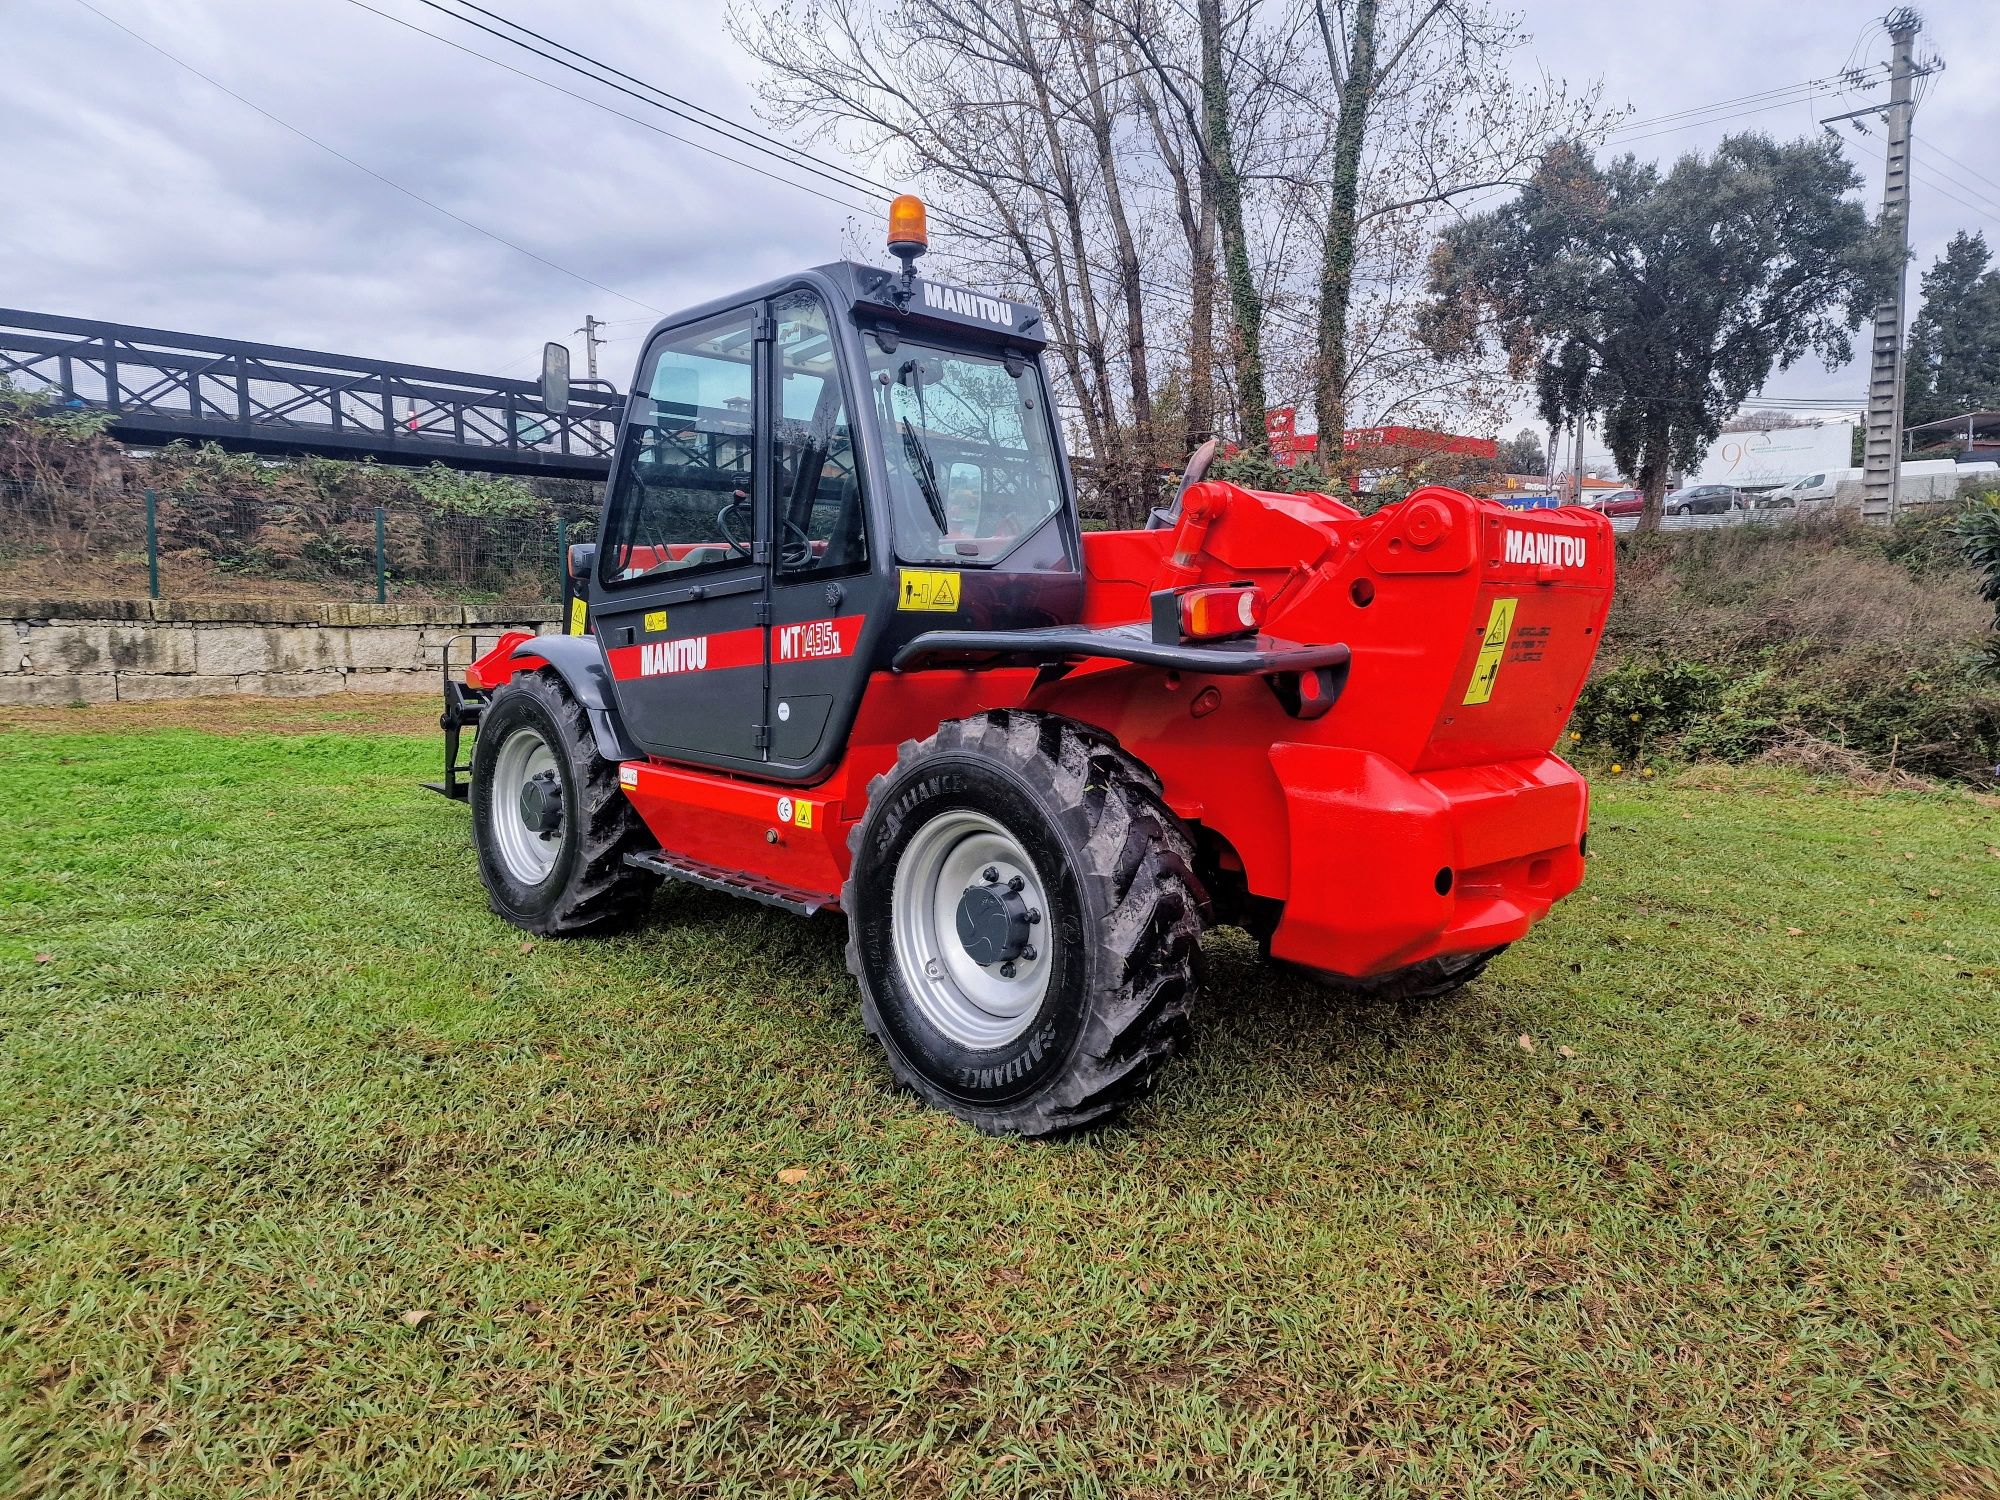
(795, 550)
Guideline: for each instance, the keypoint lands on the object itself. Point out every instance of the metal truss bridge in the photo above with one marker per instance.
(262, 398)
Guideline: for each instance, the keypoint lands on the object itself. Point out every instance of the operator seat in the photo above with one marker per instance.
(847, 543)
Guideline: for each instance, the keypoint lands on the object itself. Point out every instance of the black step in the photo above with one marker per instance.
(735, 882)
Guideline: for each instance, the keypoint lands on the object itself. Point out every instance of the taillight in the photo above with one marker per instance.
(1206, 613)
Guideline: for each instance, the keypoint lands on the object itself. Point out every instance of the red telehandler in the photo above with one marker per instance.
(841, 643)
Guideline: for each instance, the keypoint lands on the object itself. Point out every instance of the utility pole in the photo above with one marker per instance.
(591, 339)
(1882, 446)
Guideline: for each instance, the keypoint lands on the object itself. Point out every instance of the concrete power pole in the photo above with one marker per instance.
(591, 339)
(1882, 446)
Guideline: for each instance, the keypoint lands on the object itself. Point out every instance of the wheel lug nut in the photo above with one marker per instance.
(990, 875)
(1015, 882)
(1034, 916)
(1007, 969)
(1028, 953)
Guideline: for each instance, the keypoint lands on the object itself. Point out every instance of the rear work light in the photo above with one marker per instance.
(1206, 613)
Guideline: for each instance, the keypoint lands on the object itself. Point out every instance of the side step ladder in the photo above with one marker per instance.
(735, 882)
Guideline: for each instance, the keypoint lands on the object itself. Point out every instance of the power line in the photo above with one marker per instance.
(1930, 176)
(1808, 85)
(1761, 109)
(735, 131)
(600, 104)
(361, 167)
(1278, 320)
(1939, 150)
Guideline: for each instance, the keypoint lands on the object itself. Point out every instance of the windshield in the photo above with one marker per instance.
(972, 459)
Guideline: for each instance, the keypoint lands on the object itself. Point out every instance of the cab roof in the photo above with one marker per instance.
(876, 297)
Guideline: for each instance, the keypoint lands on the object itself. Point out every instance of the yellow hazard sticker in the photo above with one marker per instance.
(928, 589)
(578, 613)
(1492, 647)
(656, 620)
(802, 814)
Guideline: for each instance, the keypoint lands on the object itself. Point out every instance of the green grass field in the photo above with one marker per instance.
(316, 1179)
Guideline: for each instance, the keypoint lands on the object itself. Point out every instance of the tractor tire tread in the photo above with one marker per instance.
(1140, 860)
(604, 893)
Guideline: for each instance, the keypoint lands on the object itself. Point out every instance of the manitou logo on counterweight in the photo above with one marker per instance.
(1544, 549)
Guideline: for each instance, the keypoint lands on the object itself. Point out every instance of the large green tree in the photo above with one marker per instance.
(1953, 363)
(1658, 301)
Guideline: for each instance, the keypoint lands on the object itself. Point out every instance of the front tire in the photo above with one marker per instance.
(1024, 923)
(549, 822)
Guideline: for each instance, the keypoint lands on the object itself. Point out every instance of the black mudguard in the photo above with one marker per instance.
(577, 660)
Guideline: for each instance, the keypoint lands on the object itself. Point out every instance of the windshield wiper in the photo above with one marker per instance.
(913, 447)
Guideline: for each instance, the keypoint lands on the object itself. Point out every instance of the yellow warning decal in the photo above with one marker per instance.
(656, 620)
(1492, 647)
(802, 814)
(928, 589)
(578, 613)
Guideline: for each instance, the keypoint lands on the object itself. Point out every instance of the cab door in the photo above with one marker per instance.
(821, 586)
(683, 575)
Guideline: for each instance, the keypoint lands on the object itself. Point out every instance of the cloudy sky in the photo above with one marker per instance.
(137, 190)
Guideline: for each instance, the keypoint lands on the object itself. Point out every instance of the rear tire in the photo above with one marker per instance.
(549, 821)
(1040, 1026)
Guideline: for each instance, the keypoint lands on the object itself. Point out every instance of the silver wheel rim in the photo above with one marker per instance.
(528, 852)
(975, 1005)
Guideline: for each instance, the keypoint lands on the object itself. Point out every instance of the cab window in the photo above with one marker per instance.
(682, 502)
(821, 523)
(971, 451)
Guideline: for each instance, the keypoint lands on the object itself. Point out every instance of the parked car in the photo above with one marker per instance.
(1603, 502)
(1703, 500)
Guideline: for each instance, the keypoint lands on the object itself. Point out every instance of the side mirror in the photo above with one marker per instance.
(582, 558)
(555, 378)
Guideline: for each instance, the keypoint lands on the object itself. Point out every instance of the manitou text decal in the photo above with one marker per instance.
(968, 304)
(719, 651)
(657, 658)
(816, 639)
(1544, 549)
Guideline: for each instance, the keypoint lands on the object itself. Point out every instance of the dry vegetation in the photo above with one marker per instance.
(73, 521)
(1820, 643)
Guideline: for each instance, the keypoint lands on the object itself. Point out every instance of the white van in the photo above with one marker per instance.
(1927, 480)
(1807, 490)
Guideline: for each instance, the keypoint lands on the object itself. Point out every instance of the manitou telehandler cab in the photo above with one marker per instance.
(841, 644)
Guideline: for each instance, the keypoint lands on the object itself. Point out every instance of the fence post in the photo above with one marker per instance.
(152, 546)
(381, 561)
(562, 554)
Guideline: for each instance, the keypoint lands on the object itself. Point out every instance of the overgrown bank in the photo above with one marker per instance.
(1821, 640)
(73, 520)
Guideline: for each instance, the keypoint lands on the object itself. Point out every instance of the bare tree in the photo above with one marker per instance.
(1208, 227)
(1430, 77)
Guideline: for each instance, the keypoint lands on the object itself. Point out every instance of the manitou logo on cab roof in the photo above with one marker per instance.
(1544, 549)
(968, 304)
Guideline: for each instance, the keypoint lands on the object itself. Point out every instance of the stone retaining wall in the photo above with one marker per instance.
(59, 651)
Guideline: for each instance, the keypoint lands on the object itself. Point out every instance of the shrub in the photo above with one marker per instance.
(1637, 701)
(1737, 642)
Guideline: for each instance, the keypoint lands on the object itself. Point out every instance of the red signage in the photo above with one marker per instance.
(1287, 444)
(1281, 435)
(1420, 438)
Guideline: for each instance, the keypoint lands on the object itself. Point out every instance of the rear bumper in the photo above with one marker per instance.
(1390, 867)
